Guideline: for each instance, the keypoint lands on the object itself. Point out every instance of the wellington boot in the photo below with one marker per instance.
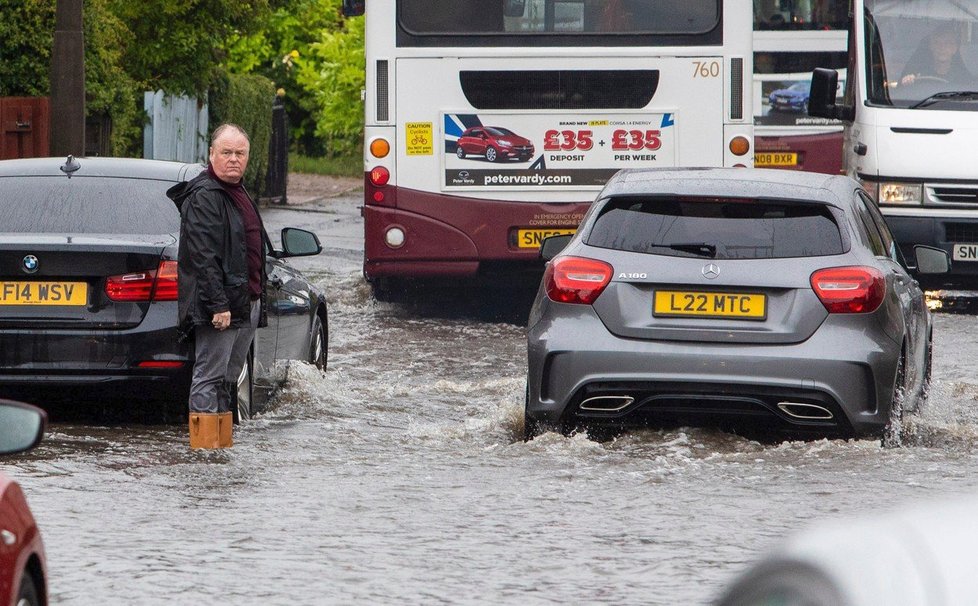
(225, 425)
(204, 430)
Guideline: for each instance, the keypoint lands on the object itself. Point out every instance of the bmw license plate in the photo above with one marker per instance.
(43, 293)
(679, 303)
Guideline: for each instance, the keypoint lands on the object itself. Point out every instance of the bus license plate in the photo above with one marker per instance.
(43, 293)
(749, 306)
(775, 159)
(533, 238)
(964, 252)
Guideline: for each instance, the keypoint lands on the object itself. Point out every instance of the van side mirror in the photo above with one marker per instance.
(931, 260)
(821, 97)
(552, 246)
(353, 8)
(514, 8)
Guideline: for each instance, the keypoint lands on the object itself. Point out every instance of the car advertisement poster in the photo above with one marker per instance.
(527, 151)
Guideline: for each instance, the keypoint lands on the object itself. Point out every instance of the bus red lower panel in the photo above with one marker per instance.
(817, 153)
(447, 235)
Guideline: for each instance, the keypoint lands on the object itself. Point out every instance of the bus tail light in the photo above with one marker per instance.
(849, 290)
(739, 146)
(379, 148)
(576, 279)
(380, 176)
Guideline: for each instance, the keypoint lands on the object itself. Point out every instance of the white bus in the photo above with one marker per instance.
(911, 113)
(491, 124)
(791, 38)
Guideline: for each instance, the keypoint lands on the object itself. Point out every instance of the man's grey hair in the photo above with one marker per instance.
(220, 130)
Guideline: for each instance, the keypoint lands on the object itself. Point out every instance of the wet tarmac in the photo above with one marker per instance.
(398, 476)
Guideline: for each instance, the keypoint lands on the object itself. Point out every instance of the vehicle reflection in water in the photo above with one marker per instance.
(397, 476)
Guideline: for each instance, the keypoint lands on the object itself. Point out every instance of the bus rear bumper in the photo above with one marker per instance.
(440, 235)
(430, 248)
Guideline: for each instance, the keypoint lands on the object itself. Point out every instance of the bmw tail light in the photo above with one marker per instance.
(849, 290)
(576, 279)
(160, 284)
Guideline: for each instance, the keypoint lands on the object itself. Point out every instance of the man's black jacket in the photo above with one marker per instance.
(213, 256)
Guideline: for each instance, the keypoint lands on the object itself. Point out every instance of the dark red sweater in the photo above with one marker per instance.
(252, 226)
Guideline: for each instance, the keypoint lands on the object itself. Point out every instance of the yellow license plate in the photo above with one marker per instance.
(43, 293)
(775, 159)
(749, 306)
(533, 238)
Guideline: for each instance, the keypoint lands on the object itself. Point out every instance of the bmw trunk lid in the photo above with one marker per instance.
(59, 281)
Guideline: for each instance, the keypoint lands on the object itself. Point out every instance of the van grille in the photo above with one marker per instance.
(954, 194)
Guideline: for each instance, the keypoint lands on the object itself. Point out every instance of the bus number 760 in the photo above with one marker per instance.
(706, 69)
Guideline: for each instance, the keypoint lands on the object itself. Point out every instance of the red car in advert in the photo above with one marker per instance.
(495, 143)
(23, 567)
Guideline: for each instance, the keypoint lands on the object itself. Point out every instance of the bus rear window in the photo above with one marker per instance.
(717, 228)
(480, 17)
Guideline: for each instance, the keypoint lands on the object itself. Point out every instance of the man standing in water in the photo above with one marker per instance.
(221, 276)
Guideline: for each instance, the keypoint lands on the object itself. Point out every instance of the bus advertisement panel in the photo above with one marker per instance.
(792, 37)
(483, 151)
(492, 123)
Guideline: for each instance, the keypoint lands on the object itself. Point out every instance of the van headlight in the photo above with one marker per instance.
(900, 193)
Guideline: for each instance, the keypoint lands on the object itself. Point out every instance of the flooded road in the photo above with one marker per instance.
(397, 477)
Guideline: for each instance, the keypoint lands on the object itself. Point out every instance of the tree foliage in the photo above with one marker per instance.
(277, 48)
(246, 100)
(311, 53)
(180, 42)
(332, 76)
(26, 32)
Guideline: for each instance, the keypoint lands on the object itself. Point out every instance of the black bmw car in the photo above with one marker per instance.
(88, 289)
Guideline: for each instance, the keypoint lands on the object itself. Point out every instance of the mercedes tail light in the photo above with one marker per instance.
(576, 279)
(158, 284)
(849, 290)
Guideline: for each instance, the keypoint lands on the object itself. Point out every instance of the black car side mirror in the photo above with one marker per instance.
(21, 426)
(931, 260)
(299, 243)
(821, 97)
(552, 246)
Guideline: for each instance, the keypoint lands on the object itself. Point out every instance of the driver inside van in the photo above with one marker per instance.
(938, 59)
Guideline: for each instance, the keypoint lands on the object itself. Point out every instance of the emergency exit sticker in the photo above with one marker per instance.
(419, 139)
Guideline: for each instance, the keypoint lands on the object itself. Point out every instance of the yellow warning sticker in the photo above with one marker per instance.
(419, 138)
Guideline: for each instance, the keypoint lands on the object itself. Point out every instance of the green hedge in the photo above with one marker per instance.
(246, 101)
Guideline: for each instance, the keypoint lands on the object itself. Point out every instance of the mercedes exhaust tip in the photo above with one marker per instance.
(806, 412)
(606, 403)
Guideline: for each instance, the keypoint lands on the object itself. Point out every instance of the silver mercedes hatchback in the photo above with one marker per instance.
(746, 299)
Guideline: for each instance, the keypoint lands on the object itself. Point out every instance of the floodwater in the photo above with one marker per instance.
(397, 477)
